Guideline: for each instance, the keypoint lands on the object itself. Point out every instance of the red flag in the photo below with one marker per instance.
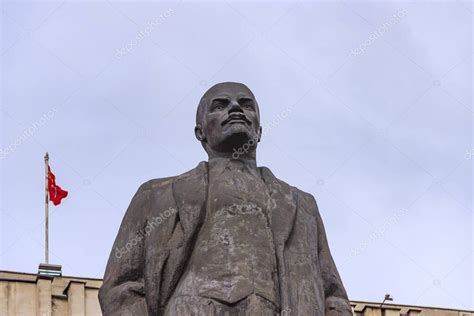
(56, 194)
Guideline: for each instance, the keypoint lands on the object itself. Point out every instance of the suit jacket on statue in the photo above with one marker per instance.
(159, 229)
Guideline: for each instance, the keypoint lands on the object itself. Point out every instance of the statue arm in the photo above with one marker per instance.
(122, 292)
(337, 302)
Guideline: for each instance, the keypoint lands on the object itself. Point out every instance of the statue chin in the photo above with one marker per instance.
(234, 141)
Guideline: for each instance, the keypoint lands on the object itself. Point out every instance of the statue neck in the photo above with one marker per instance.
(237, 154)
(249, 162)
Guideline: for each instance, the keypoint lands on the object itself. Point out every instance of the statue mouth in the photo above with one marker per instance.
(236, 118)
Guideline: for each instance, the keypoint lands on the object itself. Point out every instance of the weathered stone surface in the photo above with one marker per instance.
(226, 238)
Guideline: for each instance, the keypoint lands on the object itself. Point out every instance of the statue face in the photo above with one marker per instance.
(229, 118)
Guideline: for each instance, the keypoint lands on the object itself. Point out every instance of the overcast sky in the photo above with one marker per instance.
(366, 105)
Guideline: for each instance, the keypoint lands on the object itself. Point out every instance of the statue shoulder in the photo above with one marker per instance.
(308, 197)
(268, 176)
(164, 183)
(157, 184)
(305, 199)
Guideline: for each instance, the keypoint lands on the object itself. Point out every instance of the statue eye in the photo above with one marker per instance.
(248, 105)
(219, 104)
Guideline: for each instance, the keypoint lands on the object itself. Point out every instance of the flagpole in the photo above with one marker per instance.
(46, 210)
(46, 268)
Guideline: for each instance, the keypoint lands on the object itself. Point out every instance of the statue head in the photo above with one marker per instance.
(227, 119)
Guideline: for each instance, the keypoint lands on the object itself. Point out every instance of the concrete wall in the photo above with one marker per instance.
(29, 294)
(33, 295)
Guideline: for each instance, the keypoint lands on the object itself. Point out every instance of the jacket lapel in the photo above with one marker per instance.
(190, 194)
(282, 218)
(283, 209)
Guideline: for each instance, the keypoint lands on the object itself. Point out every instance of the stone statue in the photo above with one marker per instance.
(226, 238)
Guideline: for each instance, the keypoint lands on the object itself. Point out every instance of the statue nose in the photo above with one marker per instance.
(235, 107)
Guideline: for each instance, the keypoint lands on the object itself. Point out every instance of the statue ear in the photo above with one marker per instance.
(260, 130)
(199, 133)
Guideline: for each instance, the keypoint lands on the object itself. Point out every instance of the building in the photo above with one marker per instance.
(29, 294)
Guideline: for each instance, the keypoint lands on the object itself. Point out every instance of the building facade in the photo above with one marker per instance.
(29, 294)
